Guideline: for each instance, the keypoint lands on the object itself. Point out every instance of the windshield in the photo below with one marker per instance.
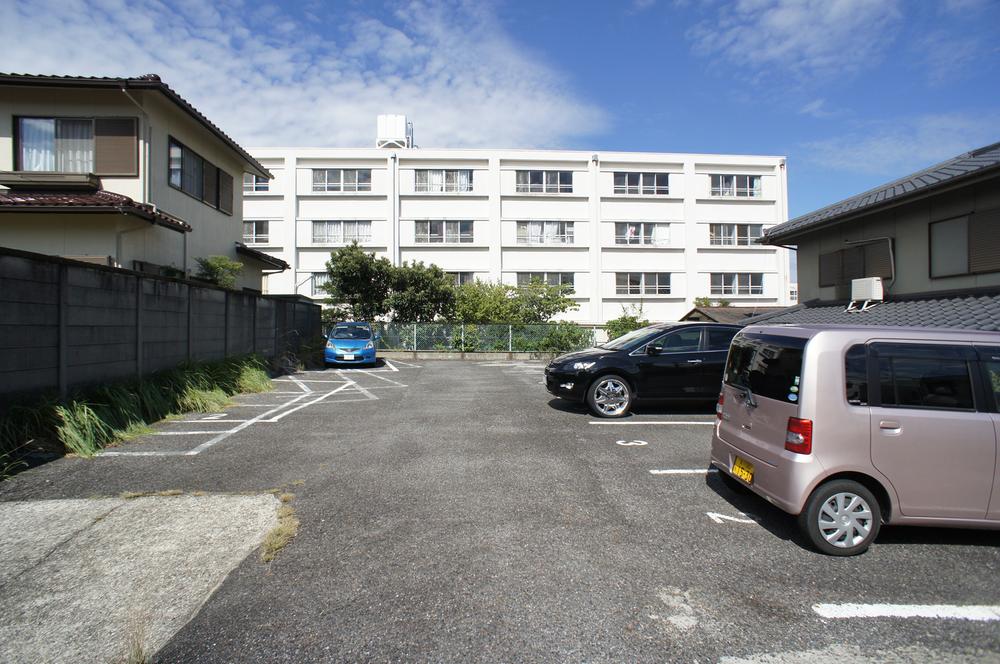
(351, 332)
(768, 365)
(626, 340)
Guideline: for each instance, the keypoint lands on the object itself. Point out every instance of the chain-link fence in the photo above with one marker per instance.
(547, 337)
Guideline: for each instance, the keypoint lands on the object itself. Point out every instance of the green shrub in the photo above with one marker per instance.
(631, 319)
(219, 270)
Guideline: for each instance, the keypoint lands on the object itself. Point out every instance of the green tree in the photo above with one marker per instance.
(484, 302)
(359, 282)
(219, 270)
(538, 302)
(631, 319)
(421, 293)
(709, 302)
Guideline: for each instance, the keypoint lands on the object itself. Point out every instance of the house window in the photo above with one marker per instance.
(342, 179)
(199, 178)
(462, 278)
(642, 232)
(740, 186)
(737, 283)
(642, 283)
(443, 180)
(545, 182)
(548, 278)
(341, 232)
(642, 183)
(442, 231)
(252, 183)
(319, 281)
(839, 268)
(965, 245)
(255, 231)
(731, 235)
(103, 146)
(545, 232)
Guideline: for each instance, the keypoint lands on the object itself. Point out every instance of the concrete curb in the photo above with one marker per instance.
(457, 355)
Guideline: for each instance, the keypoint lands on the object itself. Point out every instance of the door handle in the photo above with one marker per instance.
(694, 361)
(890, 426)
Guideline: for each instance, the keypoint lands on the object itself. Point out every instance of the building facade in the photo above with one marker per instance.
(122, 172)
(624, 229)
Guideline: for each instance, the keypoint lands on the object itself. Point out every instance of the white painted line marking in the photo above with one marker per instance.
(187, 433)
(683, 471)
(240, 427)
(631, 443)
(390, 365)
(111, 453)
(204, 421)
(302, 386)
(720, 518)
(388, 380)
(213, 416)
(365, 392)
(405, 364)
(311, 380)
(980, 613)
(653, 422)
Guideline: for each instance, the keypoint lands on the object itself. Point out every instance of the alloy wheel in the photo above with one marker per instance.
(611, 396)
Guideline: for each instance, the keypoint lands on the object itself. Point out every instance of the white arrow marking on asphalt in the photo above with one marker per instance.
(720, 518)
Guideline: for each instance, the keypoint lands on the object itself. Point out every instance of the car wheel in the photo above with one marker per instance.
(732, 483)
(609, 396)
(841, 518)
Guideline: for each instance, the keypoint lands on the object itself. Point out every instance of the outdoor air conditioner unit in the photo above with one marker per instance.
(868, 291)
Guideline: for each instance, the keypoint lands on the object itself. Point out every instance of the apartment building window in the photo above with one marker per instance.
(443, 180)
(255, 231)
(548, 278)
(319, 281)
(341, 232)
(198, 177)
(442, 231)
(732, 235)
(642, 183)
(545, 232)
(740, 186)
(969, 244)
(737, 283)
(545, 182)
(253, 183)
(642, 283)
(103, 146)
(462, 278)
(642, 232)
(342, 179)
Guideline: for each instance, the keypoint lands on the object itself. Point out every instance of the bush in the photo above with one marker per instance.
(219, 270)
(631, 319)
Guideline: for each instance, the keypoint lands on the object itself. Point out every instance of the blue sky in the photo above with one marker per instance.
(854, 92)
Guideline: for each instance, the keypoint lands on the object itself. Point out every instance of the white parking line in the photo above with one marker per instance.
(683, 471)
(980, 613)
(405, 364)
(206, 421)
(316, 380)
(678, 422)
(302, 386)
(373, 375)
(186, 433)
(308, 403)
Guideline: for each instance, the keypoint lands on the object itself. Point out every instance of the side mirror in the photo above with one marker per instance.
(654, 349)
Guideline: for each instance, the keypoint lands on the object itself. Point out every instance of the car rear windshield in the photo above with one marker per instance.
(351, 332)
(768, 365)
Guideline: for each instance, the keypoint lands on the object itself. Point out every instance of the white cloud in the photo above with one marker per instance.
(807, 37)
(817, 109)
(269, 77)
(898, 148)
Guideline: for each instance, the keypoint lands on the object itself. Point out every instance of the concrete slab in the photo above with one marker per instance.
(77, 577)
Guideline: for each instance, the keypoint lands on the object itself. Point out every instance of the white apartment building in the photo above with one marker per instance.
(623, 228)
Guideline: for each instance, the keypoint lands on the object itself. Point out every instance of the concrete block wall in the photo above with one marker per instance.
(65, 324)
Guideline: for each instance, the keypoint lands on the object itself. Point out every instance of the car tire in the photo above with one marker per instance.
(733, 484)
(610, 396)
(841, 518)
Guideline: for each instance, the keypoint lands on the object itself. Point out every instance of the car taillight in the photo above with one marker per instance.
(719, 404)
(799, 436)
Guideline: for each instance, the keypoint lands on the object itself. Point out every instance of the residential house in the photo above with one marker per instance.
(123, 172)
(932, 237)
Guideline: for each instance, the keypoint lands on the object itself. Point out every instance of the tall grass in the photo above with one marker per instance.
(101, 416)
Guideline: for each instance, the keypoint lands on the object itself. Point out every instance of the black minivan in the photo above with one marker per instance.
(663, 361)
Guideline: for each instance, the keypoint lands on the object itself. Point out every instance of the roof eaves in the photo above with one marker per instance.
(261, 257)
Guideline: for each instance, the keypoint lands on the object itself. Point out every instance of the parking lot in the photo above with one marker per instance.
(455, 511)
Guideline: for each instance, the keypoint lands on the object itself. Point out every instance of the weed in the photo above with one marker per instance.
(131, 495)
(286, 497)
(135, 645)
(281, 534)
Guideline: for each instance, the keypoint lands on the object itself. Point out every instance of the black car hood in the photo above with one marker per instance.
(584, 355)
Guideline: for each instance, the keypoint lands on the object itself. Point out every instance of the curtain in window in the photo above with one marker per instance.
(465, 180)
(661, 234)
(435, 180)
(37, 138)
(550, 232)
(75, 146)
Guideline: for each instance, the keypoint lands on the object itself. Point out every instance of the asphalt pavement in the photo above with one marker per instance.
(454, 511)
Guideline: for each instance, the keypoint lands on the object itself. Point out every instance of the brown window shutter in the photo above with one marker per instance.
(877, 261)
(210, 190)
(984, 241)
(853, 261)
(116, 146)
(829, 269)
(225, 192)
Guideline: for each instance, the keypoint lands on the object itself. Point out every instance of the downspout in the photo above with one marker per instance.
(145, 145)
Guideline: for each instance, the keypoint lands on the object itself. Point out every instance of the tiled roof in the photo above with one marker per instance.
(727, 314)
(85, 201)
(260, 256)
(145, 82)
(976, 162)
(969, 310)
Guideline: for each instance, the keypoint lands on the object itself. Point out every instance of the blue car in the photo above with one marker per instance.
(350, 343)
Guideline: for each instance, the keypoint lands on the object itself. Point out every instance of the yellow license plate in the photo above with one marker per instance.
(743, 469)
